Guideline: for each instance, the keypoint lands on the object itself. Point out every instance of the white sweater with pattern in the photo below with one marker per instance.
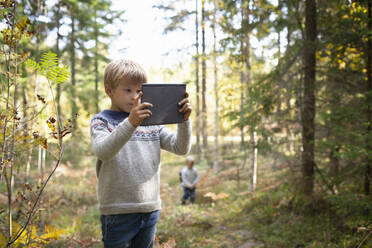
(128, 165)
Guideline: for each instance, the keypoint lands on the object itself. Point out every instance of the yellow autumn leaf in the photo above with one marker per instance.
(3, 240)
(51, 127)
(215, 197)
(52, 232)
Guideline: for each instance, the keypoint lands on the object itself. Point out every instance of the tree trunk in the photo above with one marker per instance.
(241, 126)
(369, 106)
(216, 149)
(197, 121)
(246, 50)
(12, 154)
(334, 164)
(308, 111)
(39, 161)
(96, 62)
(58, 19)
(73, 72)
(26, 130)
(204, 86)
(254, 161)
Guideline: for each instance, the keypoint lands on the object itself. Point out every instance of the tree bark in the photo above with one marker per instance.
(369, 106)
(246, 51)
(96, 62)
(58, 24)
(241, 126)
(308, 111)
(204, 85)
(216, 149)
(254, 161)
(197, 121)
(73, 72)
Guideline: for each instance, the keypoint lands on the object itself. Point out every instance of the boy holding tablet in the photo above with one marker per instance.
(128, 165)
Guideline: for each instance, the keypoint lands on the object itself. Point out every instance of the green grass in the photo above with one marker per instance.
(276, 215)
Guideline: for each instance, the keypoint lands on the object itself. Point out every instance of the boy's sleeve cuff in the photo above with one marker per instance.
(186, 122)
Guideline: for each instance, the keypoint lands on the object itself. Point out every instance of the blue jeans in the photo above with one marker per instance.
(188, 193)
(129, 230)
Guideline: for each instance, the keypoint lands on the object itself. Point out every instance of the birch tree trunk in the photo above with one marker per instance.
(241, 127)
(254, 161)
(216, 149)
(73, 71)
(204, 85)
(197, 121)
(58, 19)
(96, 62)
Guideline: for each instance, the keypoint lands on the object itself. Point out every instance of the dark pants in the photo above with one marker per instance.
(188, 193)
(129, 230)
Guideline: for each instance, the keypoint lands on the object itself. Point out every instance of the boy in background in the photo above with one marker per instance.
(128, 164)
(190, 177)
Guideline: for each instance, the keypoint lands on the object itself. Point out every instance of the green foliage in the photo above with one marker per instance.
(50, 68)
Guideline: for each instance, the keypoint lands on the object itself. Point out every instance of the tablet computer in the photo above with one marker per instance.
(164, 99)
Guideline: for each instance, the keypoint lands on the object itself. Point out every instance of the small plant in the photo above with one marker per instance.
(19, 134)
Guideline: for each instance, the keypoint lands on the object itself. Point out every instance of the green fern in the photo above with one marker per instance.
(49, 68)
(33, 65)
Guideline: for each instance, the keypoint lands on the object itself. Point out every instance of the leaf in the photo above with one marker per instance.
(215, 197)
(22, 24)
(42, 99)
(32, 65)
(43, 142)
(51, 126)
(171, 243)
(51, 70)
(51, 232)
(52, 119)
(3, 241)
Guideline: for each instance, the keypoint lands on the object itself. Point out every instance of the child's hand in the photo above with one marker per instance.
(138, 112)
(186, 107)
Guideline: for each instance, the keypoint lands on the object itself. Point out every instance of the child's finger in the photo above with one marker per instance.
(144, 111)
(145, 105)
(144, 116)
(137, 100)
(183, 101)
(185, 107)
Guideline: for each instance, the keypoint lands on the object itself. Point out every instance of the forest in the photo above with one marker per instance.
(281, 92)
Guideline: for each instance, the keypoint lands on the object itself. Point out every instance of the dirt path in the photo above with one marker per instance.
(208, 223)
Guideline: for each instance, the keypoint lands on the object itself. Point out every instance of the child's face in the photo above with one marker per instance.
(190, 164)
(122, 97)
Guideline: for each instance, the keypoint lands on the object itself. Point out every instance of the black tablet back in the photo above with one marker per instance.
(164, 99)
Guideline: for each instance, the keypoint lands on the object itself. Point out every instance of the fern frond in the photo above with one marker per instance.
(33, 65)
(50, 68)
(48, 62)
(63, 75)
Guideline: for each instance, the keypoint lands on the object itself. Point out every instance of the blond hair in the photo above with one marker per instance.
(190, 158)
(123, 69)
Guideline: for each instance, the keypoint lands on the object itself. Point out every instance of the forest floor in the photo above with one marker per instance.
(225, 213)
(211, 222)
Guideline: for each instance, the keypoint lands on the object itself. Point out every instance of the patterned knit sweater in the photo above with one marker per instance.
(128, 165)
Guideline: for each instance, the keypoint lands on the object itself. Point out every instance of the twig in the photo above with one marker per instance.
(364, 239)
(60, 144)
(20, 231)
(324, 180)
(8, 61)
